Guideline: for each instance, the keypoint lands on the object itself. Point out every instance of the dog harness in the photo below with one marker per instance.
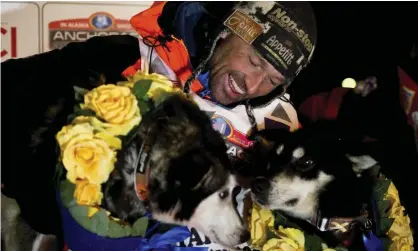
(142, 170)
(341, 227)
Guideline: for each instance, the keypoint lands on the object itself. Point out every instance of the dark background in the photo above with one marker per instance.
(361, 39)
(357, 39)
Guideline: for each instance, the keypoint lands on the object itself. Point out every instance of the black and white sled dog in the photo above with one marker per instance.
(189, 174)
(315, 175)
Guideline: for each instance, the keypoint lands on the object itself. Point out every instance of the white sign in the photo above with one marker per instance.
(67, 22)
(20, 26)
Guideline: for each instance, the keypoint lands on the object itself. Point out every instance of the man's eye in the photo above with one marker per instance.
(274, 83)
(252, 61)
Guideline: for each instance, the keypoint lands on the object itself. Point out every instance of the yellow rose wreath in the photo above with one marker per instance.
(104, 118)
(107, 116)
(269, 232)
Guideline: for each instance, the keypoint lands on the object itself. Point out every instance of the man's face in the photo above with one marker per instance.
(238, 72)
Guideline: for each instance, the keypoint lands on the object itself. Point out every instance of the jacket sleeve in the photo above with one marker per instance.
(37, 97)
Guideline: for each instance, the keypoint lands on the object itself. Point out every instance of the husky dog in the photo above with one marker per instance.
(189, 174)
(313, 175)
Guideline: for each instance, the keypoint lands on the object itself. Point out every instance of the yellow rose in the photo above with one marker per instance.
(293, 237)
(103, 127)
(86, 155)
(261, 219)
(87, 194)
(114, 104)
(289, 239)
(401, 224)
(402, 244)
(154, 77)
(400, 228)
(156, 89)
(392, 195)
(82, 125)
(70, 131)
(93, 210)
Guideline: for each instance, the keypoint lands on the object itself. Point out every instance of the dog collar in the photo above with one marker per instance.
(142, 170)
(341, 227)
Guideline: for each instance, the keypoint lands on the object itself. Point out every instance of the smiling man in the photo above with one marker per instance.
(239, 72)
(236, 58)
(264, 45)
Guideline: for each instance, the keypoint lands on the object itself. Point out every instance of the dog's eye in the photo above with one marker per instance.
(305, 164)
(223, 194)
(291, 202)
(308, 162)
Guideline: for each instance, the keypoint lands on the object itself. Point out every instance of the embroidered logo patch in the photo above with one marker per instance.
(244, 26)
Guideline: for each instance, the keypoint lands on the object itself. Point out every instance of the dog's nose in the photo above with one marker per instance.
(245, 237)
(260, 185)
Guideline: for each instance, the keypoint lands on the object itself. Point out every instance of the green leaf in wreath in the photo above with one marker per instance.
(281, 220)
(383, 207)
(100, 223)
(80, 215)
(67, 194)
(59, 173)
(340, 248)
(81, 112)
(71, 117)
(162, 95)
(380, 189)
(144, 106)
(386, 242)
(313, 243)
(117, 230)
(130, 136)
(270, 234)
(140, 226)
(385, 224)
(141, 88)
(79, 93)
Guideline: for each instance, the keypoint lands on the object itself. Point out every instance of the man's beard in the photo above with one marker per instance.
(218, 92)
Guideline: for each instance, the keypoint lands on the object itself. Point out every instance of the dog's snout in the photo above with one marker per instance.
(260, 185)
(245, 236)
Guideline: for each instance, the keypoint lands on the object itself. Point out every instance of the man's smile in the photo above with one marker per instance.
(232, 89)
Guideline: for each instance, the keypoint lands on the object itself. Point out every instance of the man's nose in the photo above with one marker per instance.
(254, 80)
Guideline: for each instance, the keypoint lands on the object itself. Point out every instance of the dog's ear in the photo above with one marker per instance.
(266, 140)
(361, 163)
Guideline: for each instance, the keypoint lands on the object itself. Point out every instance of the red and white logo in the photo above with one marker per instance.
(62, 32)
(8, 42)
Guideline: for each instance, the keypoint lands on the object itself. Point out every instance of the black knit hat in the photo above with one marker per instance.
(284, 33)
